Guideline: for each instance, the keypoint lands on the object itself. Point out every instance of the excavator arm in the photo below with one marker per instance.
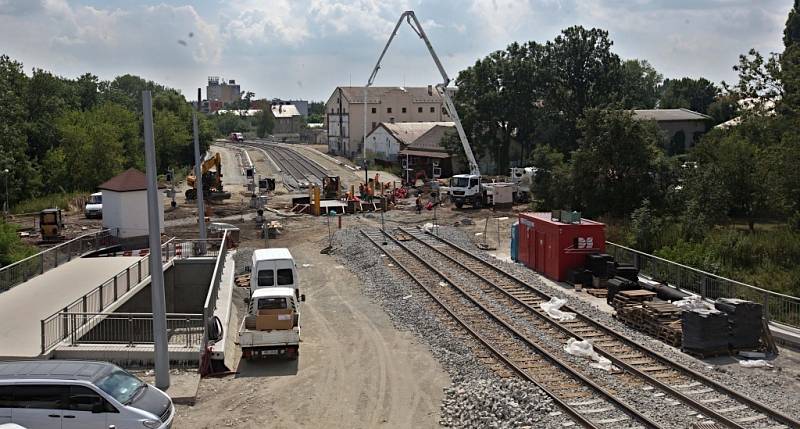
(213, 162)
(415, 25)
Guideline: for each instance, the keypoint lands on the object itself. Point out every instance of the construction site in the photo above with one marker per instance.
(284, 285)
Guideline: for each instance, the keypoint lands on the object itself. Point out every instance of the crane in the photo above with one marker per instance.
(415, 25)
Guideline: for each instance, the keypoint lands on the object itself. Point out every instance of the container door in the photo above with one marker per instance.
(541, 248)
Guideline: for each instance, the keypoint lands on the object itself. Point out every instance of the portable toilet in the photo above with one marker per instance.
(554, 243)
(514, 241)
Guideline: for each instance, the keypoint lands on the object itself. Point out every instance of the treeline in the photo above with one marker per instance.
(59, 134)
(730, 205)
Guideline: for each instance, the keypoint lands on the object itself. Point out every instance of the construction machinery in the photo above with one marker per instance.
(464, 188)
(51, 225)
(211, 170)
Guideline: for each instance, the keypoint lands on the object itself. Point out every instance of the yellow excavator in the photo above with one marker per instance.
(211, 169)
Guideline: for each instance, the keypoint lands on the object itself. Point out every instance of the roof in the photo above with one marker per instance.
(548, 218)
(664, 115)
(127, 181)
(285, 110)
(264, 292)
(408, 132)
(55, 369)
(268, 254)
(424, 153)
(419, 94)
(432, 139)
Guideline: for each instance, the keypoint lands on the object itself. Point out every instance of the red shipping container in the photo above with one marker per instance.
(553, 248)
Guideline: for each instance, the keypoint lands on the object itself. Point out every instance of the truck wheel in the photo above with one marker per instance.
(478, 203)
(459, 204)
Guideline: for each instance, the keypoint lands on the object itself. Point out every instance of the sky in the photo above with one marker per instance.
(303, 49)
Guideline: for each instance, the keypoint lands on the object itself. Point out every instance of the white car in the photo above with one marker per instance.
(94, 206)
(62, 394)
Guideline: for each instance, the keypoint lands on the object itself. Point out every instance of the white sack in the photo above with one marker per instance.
(552, 309)
(585, 349)
(760, 363)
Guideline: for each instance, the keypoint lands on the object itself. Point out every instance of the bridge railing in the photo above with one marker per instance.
(128, 328)
(34, 265)
(213, 290)
(778, 307)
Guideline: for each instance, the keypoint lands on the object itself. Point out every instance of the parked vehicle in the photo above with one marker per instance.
(237, 137)
(272, 324)
(61, 394)
(94, 206)
(273, 268)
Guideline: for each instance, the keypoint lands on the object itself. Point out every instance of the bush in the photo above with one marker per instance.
(37, 204)
(12, 249)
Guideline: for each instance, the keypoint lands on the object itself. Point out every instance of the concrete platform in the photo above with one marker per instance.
(23, 307)
(224, 308)
(125, 356)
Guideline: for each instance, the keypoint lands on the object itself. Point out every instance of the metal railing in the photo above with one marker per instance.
(128, 328)
(213, 289)
(777, 307)
(32, 266)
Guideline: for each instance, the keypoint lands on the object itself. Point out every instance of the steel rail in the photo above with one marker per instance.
(754, 404)
(623, 406)
(569, 332)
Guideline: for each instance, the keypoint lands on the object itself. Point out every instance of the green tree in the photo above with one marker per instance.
(724, 108)
(688, 93)
(551, 183)
(790, 61)
(640, 85)
(12, 249)
(645, 227)
(265, 122)
(613, 169)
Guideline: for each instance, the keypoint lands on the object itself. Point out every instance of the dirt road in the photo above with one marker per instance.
(355, 370)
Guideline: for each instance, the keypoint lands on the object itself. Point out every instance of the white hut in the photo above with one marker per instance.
(125, 204)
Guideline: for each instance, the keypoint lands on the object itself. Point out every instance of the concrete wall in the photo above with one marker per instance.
(185, 288)
(383, 145)
(689, 129)
(126, 212)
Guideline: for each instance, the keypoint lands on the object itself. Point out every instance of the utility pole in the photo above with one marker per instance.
(198, 174)
(5, 204)
(156, 269)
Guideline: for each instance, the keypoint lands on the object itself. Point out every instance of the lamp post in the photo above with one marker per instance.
(5, 204)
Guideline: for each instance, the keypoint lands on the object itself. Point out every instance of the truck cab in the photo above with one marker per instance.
(272, 324)
(273, 268)
(466, 189)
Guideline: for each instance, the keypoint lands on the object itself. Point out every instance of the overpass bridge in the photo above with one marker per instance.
(85, 306)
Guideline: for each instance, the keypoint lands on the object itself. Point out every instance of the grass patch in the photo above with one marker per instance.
(12, 248)
(61, 200)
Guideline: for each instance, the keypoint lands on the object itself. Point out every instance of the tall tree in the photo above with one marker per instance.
(640, 85)
(688, 93)
(790, 60)
(613, 169)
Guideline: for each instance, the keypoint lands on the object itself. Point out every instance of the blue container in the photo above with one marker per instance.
(514, 241)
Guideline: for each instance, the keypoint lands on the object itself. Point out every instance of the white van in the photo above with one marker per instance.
(273, 267)
(61, 394)
(94, 206)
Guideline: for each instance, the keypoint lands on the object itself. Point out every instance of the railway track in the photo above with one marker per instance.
(584, 401)
(678, 387)
(303, 170)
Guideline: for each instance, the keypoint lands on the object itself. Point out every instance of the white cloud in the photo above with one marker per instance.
(252, 21)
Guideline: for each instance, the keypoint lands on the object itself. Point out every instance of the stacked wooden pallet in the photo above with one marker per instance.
(242, 280)
(599, 293)
(636, 308)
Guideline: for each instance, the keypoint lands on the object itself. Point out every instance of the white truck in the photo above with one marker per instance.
(94, 206)
(272, 324)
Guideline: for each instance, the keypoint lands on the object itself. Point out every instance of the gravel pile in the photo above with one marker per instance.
(476, 393)
(492, 403)
(768, 387)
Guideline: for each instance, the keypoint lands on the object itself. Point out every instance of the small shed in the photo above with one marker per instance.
(552, 247)
(125, 204)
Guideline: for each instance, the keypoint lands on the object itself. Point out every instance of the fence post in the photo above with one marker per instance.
(766, 306)
(116, 293)
(186, 330)
(100, 290)
(84, 309)
(41, 258)
(704, 288)
(128, 279)
(42, 327)
(139, 269)
(74, 328)
(130, 331)
(66, 323)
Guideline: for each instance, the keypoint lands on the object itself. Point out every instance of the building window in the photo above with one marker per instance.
(332, 110)
(391, 120)
(419, 109)
(388, 110)
(433, 109)
(373, 125)
(374, 110)
(404, 110)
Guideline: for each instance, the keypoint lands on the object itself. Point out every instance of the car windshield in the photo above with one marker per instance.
(459, 182)
(95, 199)
(121, 385)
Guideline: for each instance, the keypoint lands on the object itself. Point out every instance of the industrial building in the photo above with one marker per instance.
(344, 112)
(220, 90)
(682, 127)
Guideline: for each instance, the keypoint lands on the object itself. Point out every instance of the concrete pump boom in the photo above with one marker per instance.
(413, 22)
